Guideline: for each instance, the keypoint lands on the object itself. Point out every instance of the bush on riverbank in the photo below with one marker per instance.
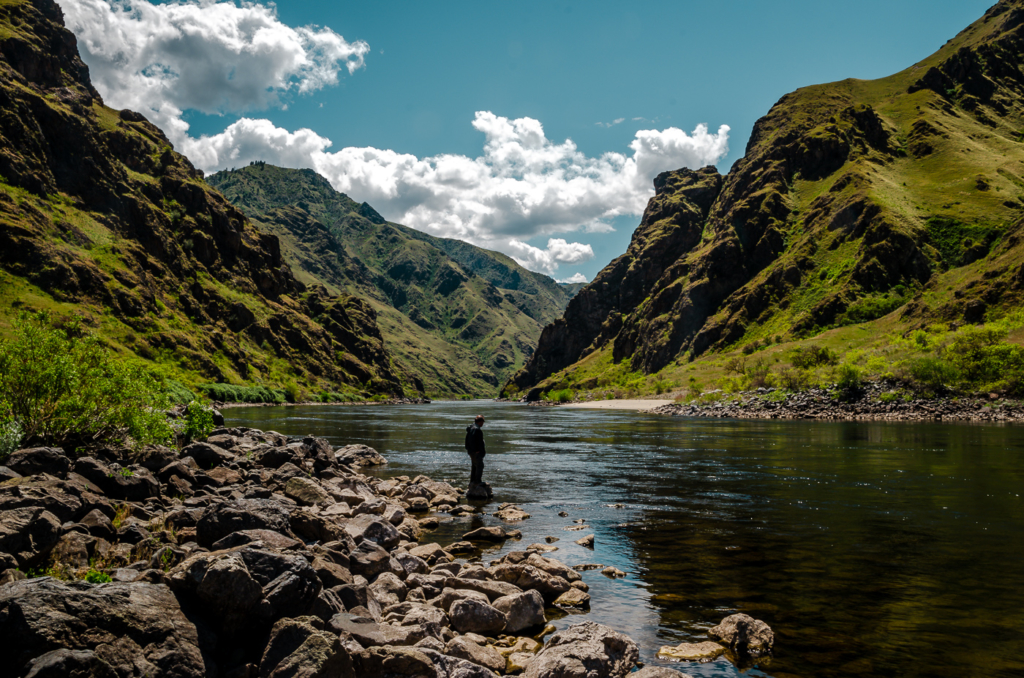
(64, 388)
(229, 393)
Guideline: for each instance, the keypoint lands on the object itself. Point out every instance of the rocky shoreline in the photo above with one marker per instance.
(252, 554)
(868, 404)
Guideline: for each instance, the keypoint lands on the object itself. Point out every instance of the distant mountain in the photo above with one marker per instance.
(854, 199)
(101, 219)
(459, 318)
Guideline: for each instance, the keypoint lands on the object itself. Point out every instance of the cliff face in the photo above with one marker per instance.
(100, 218)
(459, 318)
(853, 199)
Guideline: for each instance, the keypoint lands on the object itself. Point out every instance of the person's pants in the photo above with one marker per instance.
(477, 473)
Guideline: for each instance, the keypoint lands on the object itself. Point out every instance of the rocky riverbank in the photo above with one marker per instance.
(254, 554)
(874, 402)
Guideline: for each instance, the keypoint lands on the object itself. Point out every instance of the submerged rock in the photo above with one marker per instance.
(694, 652)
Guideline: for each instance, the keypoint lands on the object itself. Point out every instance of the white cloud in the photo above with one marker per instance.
(577, 278)
(613, 123)
(204, 55)
(219, 57)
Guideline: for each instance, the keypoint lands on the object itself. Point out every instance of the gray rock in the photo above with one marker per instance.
(586, 650)
(299, 648)
(388, 589)
(307, 492)
(658, 672)
(135, 628)
(64, 663)
(221, 520)
(274, 540)
(521, 610)
(476, 616)
(28, 534)
(492, 589)
(744, 634)
(395, 662)
(449, 596)
(207, 455)
(529, 577)
(359, 455)
(370, 634)
(35, 460)
(375, 529)
(494, 534)
(484, 655)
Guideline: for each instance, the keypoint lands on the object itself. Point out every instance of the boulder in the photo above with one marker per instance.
(369, 560)
(312, 527)
(587, 541)
(394, 662)
(307, 492)
(300, 648)
(222, 584)
(330, 573)
(359, 455)
(373, 528)
(744, 635)
(388, 589)
(369, 633)
(221, 520)
(573, 598)
(134, 628)
(586, 650)
(492, 589)
(493, 534)
(454, 667)
(511, 513)
(529, 577)
(521, 610)
(484, 655)
(155, 457)
(479, 491)
(274, 540)
(64, 663)
(207, 455)
(475, 616)
(449, 596)
(36, 460)
(28, 534)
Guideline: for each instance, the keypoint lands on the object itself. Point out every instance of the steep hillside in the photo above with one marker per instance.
(101, 219)
(460, 318)
(854, 200)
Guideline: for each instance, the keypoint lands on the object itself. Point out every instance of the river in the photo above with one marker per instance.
(871, 549)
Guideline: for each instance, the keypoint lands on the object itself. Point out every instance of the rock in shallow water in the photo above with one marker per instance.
(744, 634)
(694, 652)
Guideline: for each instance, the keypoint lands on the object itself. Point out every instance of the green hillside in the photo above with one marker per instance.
(102, 221)
(861, 209)
(459, 318)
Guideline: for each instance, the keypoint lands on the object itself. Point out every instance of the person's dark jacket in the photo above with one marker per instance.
(475, 440)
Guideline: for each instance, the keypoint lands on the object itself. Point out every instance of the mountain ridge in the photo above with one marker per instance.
(853, 199)
(460, 319)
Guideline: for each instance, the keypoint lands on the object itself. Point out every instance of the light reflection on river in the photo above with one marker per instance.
(871, 549)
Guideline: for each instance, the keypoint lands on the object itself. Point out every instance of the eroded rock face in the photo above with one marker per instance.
(134, 628)
(28, 534)
(586, 650)
(744, 634)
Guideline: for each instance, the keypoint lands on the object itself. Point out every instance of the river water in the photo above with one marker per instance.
(871, 549)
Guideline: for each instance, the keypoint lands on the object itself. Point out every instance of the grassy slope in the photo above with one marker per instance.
(100, 219)
(459, 318)
(948, 177)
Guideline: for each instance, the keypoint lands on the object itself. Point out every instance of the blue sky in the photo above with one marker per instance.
(428, 68)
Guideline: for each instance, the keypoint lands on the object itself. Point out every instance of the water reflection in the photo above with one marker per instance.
(871, 549)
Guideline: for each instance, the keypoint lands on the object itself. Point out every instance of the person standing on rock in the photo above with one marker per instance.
(475, 449)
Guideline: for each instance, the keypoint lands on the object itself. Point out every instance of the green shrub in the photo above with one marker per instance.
(663, 385)
(10, 432)
(97, 577)
(561, 396)
(198, 422)
(794, 379)
(68, 390)
(292, 393)
(177, 393)
(933, 373)
(871, 308)
(813, 356)
(848, 377)
(229, 393)
(759, 374)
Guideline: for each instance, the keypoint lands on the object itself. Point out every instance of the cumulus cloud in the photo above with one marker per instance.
(576, 278)
(204, 55)
(219, 57)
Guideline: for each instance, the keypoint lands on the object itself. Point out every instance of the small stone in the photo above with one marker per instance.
(542, 548)
(693, 652)
(494, 534)
(573, 598)
(613, 572)
(575, 528)
(460, 547)
(517, 662)
(587, 541)
(563, 514)
(551, 540)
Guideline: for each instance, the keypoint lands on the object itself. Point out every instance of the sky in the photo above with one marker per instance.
(531, 128)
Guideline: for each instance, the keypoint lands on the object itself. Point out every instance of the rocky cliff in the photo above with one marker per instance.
(101, 219)
(461, 319)
(854, 200)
